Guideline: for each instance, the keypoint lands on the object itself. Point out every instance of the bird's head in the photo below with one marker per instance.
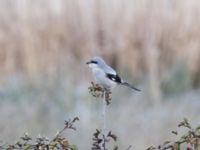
(96, 62)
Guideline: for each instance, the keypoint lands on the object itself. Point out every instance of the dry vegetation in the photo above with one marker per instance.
(44, 46)
(45, 38)
(38, 36)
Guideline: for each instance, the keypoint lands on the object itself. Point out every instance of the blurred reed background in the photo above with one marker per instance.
(43, 77)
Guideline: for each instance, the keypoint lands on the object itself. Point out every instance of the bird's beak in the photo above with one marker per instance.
(88, 62)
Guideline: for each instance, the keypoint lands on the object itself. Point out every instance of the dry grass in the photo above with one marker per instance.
(35, 35)
(43, 38)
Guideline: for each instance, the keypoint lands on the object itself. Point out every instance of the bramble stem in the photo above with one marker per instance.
(104, 112)
(104, 118)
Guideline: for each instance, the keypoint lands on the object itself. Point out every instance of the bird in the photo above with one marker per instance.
(105, 76)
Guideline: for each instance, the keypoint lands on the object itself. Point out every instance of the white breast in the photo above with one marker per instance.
(101, 78)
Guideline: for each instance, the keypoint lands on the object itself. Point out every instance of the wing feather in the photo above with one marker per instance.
(114, 78)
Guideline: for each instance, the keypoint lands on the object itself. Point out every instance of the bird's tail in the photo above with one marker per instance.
(130, 86)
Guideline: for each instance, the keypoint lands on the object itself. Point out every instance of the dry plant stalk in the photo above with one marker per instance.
(105, 94)
(59, 142)
(191, 139)
(98, 92)
(100, 137)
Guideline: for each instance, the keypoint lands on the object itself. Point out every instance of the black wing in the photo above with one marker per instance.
(114, 78)
(118, 80)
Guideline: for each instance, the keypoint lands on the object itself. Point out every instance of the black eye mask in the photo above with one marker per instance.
(93, 62)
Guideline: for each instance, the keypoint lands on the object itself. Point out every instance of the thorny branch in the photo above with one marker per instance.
(191, 139)
(43, 143)
(100, 140)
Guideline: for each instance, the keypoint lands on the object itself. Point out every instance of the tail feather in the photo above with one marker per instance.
(130, 86)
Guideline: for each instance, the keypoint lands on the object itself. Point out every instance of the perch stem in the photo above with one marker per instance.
(104, 119)
(104, 112)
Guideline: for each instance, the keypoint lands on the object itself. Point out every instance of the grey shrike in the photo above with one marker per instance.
(106, 76)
